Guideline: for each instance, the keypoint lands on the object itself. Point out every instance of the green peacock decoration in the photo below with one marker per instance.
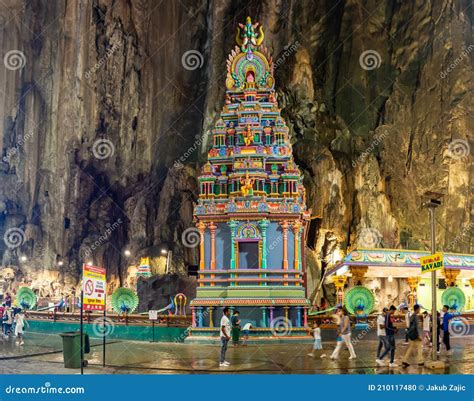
(359, 299)
(124, 300)
(454, 298)
(25, 298)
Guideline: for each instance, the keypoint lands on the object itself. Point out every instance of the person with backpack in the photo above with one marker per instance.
(390, 331)
(415, 342)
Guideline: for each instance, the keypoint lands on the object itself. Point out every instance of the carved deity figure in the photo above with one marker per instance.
(231, 129)
(268, 128)
(248, 39)
(248, 136)
(247, 185)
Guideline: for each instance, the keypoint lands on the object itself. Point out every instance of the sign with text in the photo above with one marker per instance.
(94, 286)
(432, 262)
(153, 314)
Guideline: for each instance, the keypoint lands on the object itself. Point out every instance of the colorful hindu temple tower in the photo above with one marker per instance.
(251, 213)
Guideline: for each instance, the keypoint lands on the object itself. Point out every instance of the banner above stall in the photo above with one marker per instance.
(431, 263)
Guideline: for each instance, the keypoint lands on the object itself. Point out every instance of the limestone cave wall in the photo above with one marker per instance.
(106, 107)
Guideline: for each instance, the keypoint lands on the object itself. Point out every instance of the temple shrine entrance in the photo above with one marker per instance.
(248, 255)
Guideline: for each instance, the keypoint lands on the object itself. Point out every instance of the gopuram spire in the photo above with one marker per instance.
(251, 209)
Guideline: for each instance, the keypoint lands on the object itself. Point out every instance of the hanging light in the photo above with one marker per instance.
(23, 258)
(60, 263)
(390, 279)
(164, 251)
(338, 255)
(127, 253)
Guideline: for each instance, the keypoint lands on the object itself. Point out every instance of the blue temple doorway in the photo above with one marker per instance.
(248, 255)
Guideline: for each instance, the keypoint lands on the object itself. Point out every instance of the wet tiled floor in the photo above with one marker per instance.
(41, 354)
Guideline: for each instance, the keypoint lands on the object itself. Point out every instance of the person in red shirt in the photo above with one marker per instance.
(323, 304)
(8, 299)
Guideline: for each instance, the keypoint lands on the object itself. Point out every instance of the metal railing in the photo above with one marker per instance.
(131, 319)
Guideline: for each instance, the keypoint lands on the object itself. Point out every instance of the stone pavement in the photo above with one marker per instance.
(42, 354)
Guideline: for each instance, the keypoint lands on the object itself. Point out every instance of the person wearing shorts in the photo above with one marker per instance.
(317, 345)
(246, 333)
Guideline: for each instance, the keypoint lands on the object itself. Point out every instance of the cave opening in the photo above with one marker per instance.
(313, 232)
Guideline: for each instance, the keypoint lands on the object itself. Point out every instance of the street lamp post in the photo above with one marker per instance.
(434, 312)
(432, 201)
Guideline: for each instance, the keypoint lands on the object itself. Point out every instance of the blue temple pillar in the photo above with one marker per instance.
(300, 260)
(264, 316)
(263, 224)
(199, 316)
(233, 231)
(298, 316)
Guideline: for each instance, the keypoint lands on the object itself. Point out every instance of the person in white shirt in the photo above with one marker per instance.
(246, 333)
(381, 334)
(426, 329)
(407, 313)
(20, 323)
(317, 340)
(225, 336)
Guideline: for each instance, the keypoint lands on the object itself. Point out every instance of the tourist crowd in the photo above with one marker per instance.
(13, 320)
(417, 333)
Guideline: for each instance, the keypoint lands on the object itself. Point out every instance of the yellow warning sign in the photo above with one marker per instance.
(432, 262)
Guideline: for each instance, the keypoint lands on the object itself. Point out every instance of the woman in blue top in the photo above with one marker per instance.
(344, 334)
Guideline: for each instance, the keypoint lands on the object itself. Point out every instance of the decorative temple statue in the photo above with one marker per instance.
(251, 212)
(144, 269)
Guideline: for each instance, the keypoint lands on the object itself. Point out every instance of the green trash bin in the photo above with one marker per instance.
(72, 349)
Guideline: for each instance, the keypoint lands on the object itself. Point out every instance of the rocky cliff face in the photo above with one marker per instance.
(106, 107)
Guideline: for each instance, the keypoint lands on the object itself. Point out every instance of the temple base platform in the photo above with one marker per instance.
(211, 336)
